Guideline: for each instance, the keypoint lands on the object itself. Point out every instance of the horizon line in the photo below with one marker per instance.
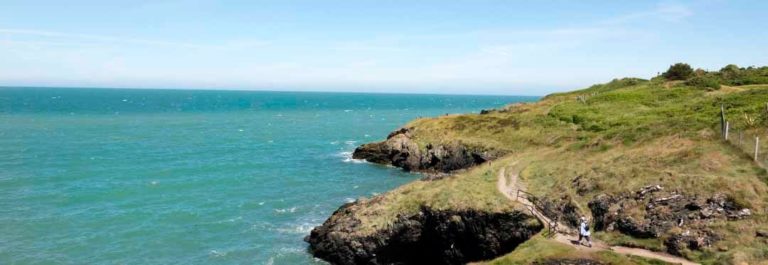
(274, 91)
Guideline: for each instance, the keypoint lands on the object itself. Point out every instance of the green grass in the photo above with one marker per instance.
(473, 189)
(618, 137)
(539, 249)
(618, 239)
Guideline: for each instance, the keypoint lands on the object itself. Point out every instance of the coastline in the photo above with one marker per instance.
(628, 204)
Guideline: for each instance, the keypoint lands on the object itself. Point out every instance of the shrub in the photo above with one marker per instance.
(678, 71)
(736, 76)
(730, 72)
(704, 82)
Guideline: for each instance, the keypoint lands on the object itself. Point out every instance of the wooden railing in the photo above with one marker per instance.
(552, 226)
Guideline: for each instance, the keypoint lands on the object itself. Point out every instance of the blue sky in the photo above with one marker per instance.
(466, 47)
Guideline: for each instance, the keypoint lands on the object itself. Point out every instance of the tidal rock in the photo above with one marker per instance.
(400, 150)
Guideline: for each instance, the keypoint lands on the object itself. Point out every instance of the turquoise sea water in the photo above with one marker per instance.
(117, 176)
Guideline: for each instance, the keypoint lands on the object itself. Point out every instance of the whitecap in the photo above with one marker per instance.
(302, 229)
(347, 158)
(367, 135)
(347, 110)
(286, 210)
(154, 182)
(217, 253)
(355, 187)
(350, 142)
(240, 130)
(335, 142)
(349, 200)
(261, 203)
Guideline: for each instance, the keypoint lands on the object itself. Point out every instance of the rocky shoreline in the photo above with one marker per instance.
(433, 236)
(430, 236)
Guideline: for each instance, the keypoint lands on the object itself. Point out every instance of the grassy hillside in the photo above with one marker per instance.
(607, 139)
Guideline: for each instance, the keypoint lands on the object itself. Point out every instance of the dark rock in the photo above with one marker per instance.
(761, 233)
(401, 151)
(429, 237)
(563, 210)
(695, 240)
(602, 215)
(664, 211)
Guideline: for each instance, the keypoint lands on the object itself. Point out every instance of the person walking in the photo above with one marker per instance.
(584, 232)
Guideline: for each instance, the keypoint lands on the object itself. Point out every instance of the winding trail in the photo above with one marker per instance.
(509, 185)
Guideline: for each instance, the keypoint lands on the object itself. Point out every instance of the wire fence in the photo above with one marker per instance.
(750, 139)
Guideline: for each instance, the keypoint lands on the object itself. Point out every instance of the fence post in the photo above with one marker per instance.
(722, 119)
(727, 127)
(757, 145)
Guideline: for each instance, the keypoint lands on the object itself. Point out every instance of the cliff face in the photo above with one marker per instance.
(428, 237)
(401, 151)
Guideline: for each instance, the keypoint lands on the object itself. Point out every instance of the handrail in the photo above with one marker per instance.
(551, 225)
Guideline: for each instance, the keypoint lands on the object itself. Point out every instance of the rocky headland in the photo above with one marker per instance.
(641, 159)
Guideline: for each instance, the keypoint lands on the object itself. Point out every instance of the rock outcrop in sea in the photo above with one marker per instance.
(400, 150)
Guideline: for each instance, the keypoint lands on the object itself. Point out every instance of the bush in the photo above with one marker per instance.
(730, 72)
(737, 76)
(704, 82)
(678, 71)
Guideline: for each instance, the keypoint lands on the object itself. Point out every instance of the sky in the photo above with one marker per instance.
(453, 47)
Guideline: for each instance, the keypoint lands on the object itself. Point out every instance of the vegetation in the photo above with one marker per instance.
(617, 137)
(730, 75)
(538, 249)
(678, 71)
(473, 185)
(705, 82)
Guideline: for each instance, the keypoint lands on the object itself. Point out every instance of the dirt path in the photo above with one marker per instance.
(509, 186)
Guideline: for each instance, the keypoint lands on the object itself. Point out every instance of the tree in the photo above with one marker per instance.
(730, 72)
(678, 71)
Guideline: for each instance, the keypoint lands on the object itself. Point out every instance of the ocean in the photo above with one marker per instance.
(144, 176)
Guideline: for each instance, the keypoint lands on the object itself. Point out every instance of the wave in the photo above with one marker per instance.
(217, 253)
(286, 210)
(302, 229)
(347, 158)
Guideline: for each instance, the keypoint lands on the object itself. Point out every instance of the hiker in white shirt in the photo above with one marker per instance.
(584, 232)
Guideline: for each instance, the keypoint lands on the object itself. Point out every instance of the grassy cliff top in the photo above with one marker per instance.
(616, 137)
